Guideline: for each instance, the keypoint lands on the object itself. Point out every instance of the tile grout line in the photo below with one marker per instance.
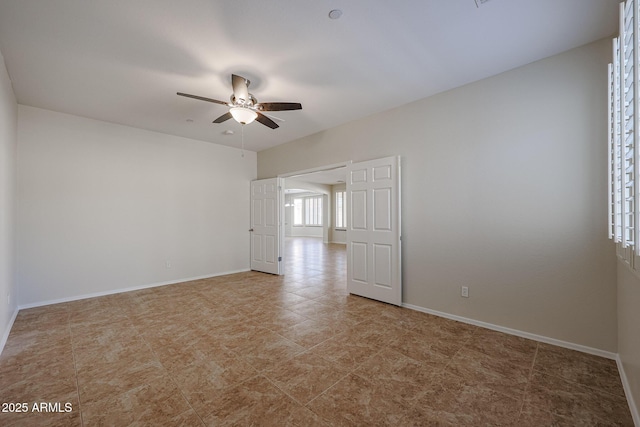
(597, 389)
(264, 375)
(466, 345)
(352, 371)
(592, 389)
(75, 368)
(321, 394)
(526, 389)
(166, 370)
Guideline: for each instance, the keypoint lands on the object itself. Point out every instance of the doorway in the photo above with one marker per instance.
(373, 222)
(314, 243)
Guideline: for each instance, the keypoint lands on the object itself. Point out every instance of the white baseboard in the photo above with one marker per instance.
(540, 338)
(5, 336)
(627, 391)
(121, 290)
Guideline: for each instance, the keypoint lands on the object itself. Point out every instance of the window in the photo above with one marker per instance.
(313, 211)
(307, 211)
(623, 111)
(341, 209)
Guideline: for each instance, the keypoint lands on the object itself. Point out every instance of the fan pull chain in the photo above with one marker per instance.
(242, 132)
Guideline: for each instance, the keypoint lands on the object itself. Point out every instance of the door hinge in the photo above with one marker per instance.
(279, 259)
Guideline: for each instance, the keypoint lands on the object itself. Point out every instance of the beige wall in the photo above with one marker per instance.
(8, 141)
(629, 328)
(102, 207)
(503, 190)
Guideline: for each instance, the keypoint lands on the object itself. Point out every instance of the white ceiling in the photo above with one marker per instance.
(123, 61)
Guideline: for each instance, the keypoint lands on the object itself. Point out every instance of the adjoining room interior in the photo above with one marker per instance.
(324, 184)
(132, 134)
(310, 250)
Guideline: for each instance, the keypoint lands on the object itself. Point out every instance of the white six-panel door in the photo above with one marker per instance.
(373, 230)
(266, 241)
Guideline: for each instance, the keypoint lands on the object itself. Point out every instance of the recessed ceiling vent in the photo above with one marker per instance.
(481, 2)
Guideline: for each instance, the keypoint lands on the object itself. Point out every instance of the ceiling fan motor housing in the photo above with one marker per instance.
(244, 102)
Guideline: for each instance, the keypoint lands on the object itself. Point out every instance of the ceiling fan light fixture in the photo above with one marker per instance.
(243, 115)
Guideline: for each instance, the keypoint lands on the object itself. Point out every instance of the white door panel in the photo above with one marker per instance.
(382, 209)
(358, 209)
(266, 240)
(373, 230)
(358, 260)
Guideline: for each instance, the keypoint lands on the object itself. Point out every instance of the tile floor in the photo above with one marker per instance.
(255, 349)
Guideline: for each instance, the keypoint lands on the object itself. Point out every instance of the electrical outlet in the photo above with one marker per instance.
(167, 264)
(464, 292)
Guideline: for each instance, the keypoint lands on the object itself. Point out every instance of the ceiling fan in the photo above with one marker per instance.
(244, 107)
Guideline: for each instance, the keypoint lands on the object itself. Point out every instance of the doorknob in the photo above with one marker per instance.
(251, 229)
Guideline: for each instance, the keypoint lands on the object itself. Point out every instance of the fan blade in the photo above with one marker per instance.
(223, 118)
(202, 98)
(240, 88)
(279, 106)
(266, 121)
